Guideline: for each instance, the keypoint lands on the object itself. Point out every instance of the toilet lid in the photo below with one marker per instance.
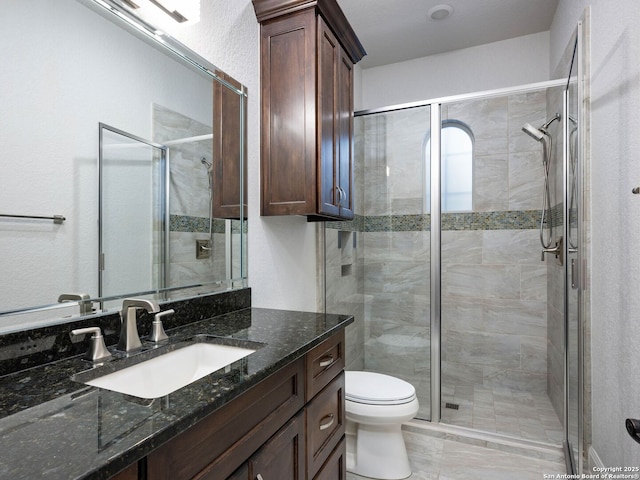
(377, 389)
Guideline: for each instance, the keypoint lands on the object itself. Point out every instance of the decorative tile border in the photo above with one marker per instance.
(507, 220)
(187, 224)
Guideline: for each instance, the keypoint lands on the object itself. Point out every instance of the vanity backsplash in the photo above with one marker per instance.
(31, 348)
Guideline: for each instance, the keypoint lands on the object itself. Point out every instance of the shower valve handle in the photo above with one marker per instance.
(557, 251)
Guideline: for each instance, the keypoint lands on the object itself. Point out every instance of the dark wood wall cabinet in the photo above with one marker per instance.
(289, 426)
(308, 50)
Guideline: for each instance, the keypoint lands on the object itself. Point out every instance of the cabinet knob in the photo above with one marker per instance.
(259, 477)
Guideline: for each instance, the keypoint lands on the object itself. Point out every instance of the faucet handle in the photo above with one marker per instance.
(97, 351)
(158, 334)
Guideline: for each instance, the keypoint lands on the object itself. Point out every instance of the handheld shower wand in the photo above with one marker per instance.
(541, 134)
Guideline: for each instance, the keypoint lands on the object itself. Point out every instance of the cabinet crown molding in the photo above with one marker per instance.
(329, 9)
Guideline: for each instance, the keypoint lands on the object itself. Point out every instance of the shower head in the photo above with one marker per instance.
(540, 132)
(203, 160)
(533, 132)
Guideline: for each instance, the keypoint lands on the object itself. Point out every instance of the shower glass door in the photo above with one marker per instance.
(574, 255)
(454, 270)
(495, 314)
(132, 213)
(378, 266)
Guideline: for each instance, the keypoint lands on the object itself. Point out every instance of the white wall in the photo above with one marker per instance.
(615, 262)
(507, 63)
(282, 250)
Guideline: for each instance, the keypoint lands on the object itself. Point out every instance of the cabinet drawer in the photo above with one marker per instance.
(323, 363)
(325, 424)
(221, 442)
(335, 468)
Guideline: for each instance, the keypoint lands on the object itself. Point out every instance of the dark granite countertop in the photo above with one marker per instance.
(53, 427)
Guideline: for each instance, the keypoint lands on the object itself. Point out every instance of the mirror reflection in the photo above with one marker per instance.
(169, 158)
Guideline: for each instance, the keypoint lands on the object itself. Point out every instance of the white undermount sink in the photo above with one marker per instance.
(171, 371)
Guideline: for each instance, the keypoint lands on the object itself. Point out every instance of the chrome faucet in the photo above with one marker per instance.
(129, 338)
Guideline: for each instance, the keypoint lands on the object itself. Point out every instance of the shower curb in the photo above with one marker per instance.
(527, 448)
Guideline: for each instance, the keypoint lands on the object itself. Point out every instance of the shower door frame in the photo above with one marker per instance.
(435, 244)
(574, 278)
(164, 184)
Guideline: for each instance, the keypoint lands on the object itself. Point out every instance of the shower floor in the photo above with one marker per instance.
(498, 410)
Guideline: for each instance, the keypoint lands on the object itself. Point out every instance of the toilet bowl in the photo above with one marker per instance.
(376, 405)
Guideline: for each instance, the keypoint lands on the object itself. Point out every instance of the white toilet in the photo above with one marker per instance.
(376, 406)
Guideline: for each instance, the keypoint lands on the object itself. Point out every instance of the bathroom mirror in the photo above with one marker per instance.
(71, 68)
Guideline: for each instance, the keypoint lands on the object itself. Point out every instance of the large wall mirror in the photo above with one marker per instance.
(132, 149)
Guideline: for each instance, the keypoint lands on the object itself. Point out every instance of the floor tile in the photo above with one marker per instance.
(435, 458)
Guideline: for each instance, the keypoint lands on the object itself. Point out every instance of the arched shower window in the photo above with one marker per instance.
(457, 166)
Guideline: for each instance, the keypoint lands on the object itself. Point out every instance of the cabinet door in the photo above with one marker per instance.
(344, 135)
(283, 456)
(329, 195)
(288, 130)
(335, 468)
(335, 126)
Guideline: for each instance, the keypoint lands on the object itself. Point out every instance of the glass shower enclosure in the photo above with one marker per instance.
(443, 266)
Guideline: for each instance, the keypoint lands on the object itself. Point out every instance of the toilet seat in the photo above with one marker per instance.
(377, 389)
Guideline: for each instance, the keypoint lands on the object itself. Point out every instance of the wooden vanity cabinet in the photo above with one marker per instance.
(290, 426)
(308, 50)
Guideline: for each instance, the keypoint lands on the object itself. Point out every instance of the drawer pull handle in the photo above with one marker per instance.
(326, 361)
(259, 477)
(326, 422)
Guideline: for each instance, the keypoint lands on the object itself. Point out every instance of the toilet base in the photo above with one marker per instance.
(377, 451)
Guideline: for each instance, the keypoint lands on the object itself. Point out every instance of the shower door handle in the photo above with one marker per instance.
(575, 279)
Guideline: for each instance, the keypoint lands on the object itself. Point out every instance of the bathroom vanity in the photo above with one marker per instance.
(278, 413)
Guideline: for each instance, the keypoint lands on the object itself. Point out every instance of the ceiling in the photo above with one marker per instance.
(397, 30)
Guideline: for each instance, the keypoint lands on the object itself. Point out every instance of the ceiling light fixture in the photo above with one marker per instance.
(175, 14)
(440, 12)
(157, 12)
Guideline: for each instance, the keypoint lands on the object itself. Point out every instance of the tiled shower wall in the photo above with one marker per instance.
(493, 282)
(494, 285)
(189, 199)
